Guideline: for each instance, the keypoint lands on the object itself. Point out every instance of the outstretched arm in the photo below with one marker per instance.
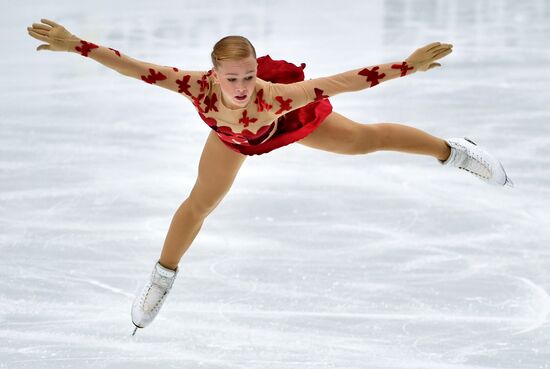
(58, 38)
(294, 95)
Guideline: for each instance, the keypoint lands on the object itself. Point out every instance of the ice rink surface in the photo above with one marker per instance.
(313, 260)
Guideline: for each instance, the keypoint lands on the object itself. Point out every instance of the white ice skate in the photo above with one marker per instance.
(465, 154)
(149, 301)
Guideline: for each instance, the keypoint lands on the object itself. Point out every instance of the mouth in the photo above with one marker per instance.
(241, 97)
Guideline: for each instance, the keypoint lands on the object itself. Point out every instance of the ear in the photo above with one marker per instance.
(215, 75)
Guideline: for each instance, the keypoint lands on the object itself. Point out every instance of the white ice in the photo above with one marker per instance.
(313, 260)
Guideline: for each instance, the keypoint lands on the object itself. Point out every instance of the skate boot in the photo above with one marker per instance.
(465, 154)
(149, 301)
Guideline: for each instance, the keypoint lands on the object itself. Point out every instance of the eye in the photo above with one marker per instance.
(249, 78)
(231, 79)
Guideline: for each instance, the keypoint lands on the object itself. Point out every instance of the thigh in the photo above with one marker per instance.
(336, 134)
(218, 167)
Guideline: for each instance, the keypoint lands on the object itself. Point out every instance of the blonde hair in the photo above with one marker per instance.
(232, 47)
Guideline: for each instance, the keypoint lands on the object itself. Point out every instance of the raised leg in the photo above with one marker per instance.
(218, 167)
(342, 135)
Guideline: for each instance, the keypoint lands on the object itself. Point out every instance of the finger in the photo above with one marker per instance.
(41, 26)
(444, 46)
(439, 50)
(37, 36)
(431, 46)
(43, 47)
(49, 22)
(442, 54)
(434, 65)
(39, 31)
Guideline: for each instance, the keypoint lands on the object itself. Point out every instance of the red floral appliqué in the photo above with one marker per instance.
(85, 47)
(197, 102)
(284, 104)
(153, 76)
(116, 51)
(372, 75)
(203, 82)
(404, 68)
(319, 94)
(210, 103)
(246, 120)
(227, 134)
(262, 104)
(183, 85)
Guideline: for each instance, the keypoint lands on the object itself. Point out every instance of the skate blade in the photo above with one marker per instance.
(135, 330)
(509, 182)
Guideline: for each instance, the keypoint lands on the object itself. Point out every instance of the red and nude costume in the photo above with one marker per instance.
(283, 107)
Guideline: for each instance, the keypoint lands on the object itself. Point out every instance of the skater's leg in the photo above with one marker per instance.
(218, 168)
(342, 135)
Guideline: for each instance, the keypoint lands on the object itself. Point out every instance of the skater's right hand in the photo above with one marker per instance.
(57, 38)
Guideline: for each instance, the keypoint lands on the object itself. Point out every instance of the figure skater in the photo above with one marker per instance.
(255, 105)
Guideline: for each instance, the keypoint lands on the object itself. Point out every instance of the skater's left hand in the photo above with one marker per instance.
(424, 58)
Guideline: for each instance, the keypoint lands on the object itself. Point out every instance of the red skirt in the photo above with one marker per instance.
(294, 125)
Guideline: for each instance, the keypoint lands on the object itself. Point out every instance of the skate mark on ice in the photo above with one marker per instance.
(541, 300)
(90, 281)
(452, 318)
(228, 279)
(104, 286)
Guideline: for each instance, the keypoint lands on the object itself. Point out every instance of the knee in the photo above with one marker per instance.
(201, 207)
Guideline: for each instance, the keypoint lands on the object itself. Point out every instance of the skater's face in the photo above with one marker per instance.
(237, 79)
